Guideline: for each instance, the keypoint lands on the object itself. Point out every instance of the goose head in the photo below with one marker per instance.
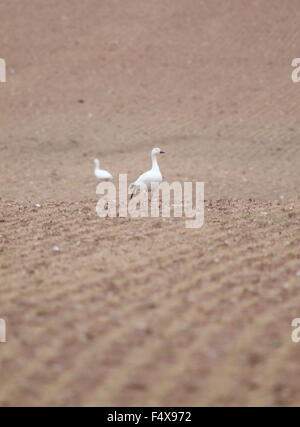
(156, 151)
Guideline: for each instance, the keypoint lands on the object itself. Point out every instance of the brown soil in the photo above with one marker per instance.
(145, 311)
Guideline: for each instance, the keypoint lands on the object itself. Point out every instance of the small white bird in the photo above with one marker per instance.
(101, 173)
(153, 175)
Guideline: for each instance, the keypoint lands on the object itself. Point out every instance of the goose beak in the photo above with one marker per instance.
(162, 152)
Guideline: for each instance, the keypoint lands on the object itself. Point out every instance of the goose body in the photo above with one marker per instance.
(101, 173)
(152, 176)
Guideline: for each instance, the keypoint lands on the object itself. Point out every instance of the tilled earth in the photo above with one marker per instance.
(145, 311)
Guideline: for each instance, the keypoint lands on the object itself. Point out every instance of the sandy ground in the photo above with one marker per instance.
(145, 311)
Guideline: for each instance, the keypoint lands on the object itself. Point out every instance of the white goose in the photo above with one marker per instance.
(153, 175)
(101, 173)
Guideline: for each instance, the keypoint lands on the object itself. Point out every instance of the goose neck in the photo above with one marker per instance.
(154, 161)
